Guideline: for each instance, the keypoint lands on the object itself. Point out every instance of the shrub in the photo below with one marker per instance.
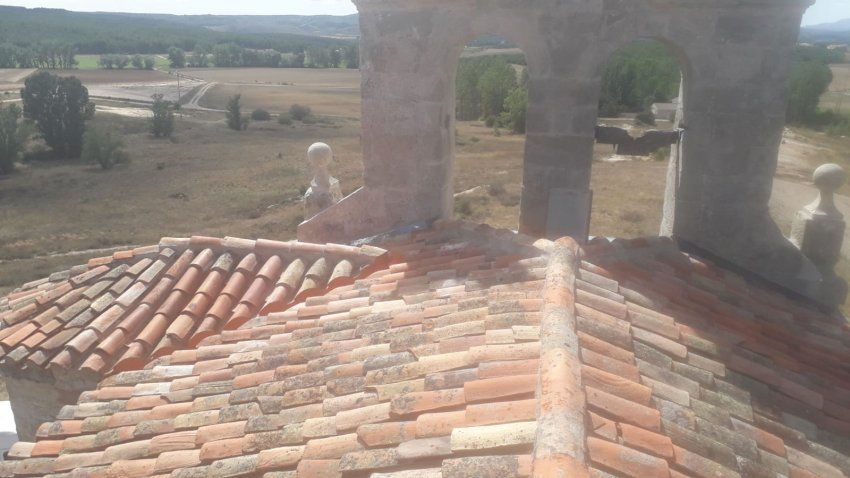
(662, 154)
(261, 115)
(464, 207)
(162, 123)
(634, 217)
(490, 121)
(497, 190)
(299, 112)
(104, 148)
(839, 128)
(285, 120)
(645, 118)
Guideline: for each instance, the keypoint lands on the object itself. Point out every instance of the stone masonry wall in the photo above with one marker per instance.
(35, 402)
(736, 58)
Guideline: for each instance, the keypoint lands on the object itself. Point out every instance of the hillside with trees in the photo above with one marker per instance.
(347, 26)
(47, 38)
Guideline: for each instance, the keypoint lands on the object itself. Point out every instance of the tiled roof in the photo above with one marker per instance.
(121, 311)
(482, 354)
(691, 370)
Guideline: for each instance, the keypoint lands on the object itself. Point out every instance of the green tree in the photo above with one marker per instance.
(106, 62)
(103, 147)
(352, 57)
(177, 57)
(149, 63)
(335, 58)
(58, 106)
(8, 55)
(809, 81)
(13, 136)
(494, 86)
(482, 86)
(319, 57)
(516, 108)
(138, 62)
(235, 120)
(638, 76)
(162, 124)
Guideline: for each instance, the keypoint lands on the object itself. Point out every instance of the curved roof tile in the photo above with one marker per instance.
(118, 312)
(471, 354)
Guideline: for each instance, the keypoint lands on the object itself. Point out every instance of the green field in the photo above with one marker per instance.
(90, 62)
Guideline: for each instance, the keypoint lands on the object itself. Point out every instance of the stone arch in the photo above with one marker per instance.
(507, 192)
(667, 190)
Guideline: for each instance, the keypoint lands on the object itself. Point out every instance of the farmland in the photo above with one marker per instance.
(91, 62)
(211, 180)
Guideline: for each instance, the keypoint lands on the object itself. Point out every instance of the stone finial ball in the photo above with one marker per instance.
(320, 153)
(830, 177)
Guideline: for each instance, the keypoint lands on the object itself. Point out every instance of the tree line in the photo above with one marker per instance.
(638, 76)
(229, 55)
(490, 88)
(45, 55)
(119, 62)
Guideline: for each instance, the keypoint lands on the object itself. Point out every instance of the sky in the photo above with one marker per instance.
(824, 11)
(198, 7)
(827, 11)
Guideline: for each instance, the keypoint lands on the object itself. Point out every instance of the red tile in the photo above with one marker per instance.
(625, 410)
(501, 387)
(626, 460)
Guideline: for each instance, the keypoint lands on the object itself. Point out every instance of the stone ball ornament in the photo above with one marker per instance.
(320, 154)
(830, 177)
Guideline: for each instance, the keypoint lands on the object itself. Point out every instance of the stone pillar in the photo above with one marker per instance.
(558, 157)
(735, 99)
(37, 396)
(818, 231)
(324, 189)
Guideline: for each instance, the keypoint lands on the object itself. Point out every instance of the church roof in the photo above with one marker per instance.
(478, 353)
(118, 312)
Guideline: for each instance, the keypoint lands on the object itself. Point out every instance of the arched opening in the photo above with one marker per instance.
(491, 100)
(638, 136)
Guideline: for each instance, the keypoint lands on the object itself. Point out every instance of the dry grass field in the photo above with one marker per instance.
(211, 180)
(332, 92)
(100, 77)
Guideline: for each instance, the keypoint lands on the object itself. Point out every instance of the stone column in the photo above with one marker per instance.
(558, 158)
(561, 128)
(735, 101)
(818, 231)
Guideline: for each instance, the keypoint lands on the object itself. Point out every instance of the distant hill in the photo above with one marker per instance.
(319, 25)
(99, 33)
(836, 32)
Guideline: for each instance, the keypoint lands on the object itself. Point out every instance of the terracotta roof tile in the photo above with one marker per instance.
(449, 359)
(152, 301)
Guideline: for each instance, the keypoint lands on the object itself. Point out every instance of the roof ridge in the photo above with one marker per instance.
(560, 442)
